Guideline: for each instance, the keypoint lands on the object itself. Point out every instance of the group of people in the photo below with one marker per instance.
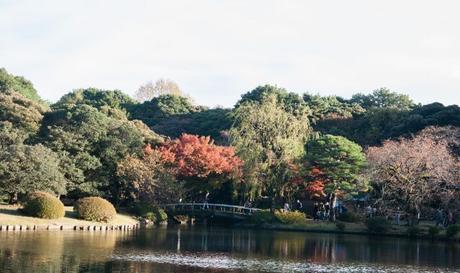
(298, 206)
(321, 211)
(443, 218)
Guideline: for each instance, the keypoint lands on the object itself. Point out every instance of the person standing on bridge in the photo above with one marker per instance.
(206, 199)
(299, 205)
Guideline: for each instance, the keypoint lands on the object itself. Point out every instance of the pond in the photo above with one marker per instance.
(220, 250)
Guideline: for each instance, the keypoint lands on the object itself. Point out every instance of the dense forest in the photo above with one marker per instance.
(273, 146)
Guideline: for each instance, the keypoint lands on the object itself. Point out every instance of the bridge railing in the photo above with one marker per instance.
(223, 208)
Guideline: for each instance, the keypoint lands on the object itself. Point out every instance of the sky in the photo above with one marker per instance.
(217, 50)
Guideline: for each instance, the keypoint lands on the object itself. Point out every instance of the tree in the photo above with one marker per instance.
(12, 83)
(21, 112)
(90, 143)
(161, 87)
(147, 179)
(340, 162)
(330, 108)
(203, 165)
(25, 169)
(162, 107)
(290, 102)
(383, 98)
(97, 98)
(268, 139)
(414, 173)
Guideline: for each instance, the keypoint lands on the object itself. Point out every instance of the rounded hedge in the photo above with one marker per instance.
(95, 209)
(43, 205)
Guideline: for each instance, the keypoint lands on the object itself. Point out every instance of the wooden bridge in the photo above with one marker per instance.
(208, 210)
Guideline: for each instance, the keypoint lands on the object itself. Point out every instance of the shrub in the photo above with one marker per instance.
(43, 205)
(349, 217)
(140, 208)
(377, 224)
(452, 230)
(151, 217)
(413, 231)
(95, 209)
(291, 217)
(340, 226)
(160, 215)
(434, 231)
(263, 217)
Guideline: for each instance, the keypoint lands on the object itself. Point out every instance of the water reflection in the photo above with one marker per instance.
(195, 249)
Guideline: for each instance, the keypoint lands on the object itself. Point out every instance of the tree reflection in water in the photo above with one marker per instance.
(200, 249)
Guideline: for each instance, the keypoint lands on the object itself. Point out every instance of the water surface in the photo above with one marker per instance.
(220, 250)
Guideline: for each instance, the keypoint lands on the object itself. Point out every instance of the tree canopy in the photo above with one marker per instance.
(12, 83)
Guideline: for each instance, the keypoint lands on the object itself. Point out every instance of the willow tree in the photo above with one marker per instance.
(269, 140)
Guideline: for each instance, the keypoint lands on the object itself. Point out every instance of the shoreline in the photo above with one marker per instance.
(313, 229)
(13, 220)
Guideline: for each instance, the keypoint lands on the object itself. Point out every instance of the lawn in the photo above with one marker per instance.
(10, 215)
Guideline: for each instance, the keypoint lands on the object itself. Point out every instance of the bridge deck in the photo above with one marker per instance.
(209, 208)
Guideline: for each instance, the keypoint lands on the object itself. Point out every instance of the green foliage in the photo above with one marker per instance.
(43, 205)
(331, 108)
(288, 101)
(434, 231)
(160, 215)
(9, 82)
(340, 226)
(452, 231)
(268, 139)
(164, 106)
(341, 160)
(149, 211)
(90, 143)
(24, 169)
(95, 209)
(207, 122)
(97, 98)
(383, 98)
(349, 217)
(151, 216)
(413, 231)
(22, 113)
(291, 217)
(172, 116)
(377, 224)
(263, 217)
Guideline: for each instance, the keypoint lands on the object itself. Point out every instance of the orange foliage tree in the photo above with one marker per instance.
(199, 162)
(195, 156)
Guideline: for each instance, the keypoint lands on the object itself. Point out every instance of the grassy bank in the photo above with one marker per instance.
(10, 215)
(352, 228)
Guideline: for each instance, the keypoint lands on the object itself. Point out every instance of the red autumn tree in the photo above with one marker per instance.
(316, 183)
(198, 157)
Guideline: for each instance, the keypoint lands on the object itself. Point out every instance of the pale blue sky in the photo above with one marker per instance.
(216, 50)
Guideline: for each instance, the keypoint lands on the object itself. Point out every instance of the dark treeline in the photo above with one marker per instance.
(273, 146)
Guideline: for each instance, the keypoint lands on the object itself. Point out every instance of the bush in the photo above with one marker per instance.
(151, 217)
(291, 217)
(140, 208)
(95, 209)
(43, 205)
(434, 231)
(160, 215)
(413, 231)
(349, 217)
(149, 212)
(263, 217)
(452, 230)
(377, 224)
(340, 226)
